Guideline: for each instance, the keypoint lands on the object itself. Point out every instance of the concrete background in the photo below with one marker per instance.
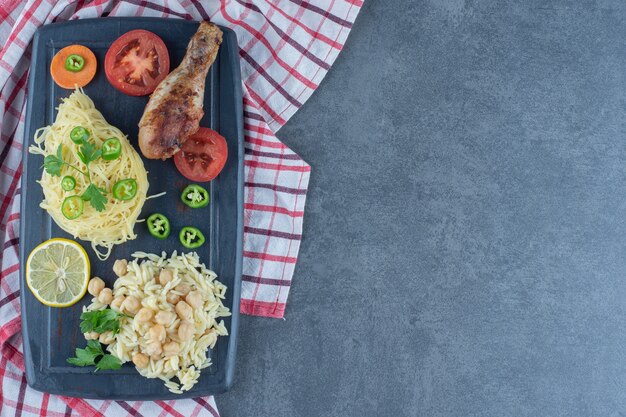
(464, 249)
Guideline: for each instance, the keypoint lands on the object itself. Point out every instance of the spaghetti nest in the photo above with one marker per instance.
(113, 225)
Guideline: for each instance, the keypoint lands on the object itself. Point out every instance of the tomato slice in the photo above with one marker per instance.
(137, 62)
(202, 156)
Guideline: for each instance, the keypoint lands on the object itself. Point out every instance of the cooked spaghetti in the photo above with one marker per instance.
(113, 225)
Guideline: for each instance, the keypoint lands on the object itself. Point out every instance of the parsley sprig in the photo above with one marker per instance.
(94, 355)
(87, 153)
(99, 321)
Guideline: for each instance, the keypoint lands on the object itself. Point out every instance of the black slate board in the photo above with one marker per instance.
(51, 334)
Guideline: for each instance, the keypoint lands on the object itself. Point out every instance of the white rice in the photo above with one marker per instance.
(141, 281)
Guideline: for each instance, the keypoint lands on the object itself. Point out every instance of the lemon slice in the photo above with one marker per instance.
(57, 272)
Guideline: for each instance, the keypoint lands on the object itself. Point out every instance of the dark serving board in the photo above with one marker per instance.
(51, 334)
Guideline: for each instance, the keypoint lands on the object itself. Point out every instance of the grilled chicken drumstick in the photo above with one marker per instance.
(174, 110)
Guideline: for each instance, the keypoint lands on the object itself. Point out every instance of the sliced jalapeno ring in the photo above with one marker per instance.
(72, 207)
(79, 135)
(195, 196)
(74, 63)
(191, 237)
(111, 149)
(68, 183)
(125, 189)
(158, 225)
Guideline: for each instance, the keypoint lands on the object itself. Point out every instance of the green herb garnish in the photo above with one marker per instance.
(87, 153)
(95, 196)
(53, 163)
(101, 321)
(94, 355)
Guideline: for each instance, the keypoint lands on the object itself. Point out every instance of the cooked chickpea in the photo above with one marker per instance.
(194, 299)
(166, 276)
(171, 349)
(131, 304)
(117, 302)
(91, 336)
(143, 315)
(95, 286)
(164, 317)
(120, 267)
(184, 310)
(157, 333)
(105, 296)
(140, 360)
(186, 330)
(106, 338)
(172, 298)
(183, 288)
(153, 349)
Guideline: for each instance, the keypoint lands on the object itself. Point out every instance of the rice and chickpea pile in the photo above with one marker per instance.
(171, 306)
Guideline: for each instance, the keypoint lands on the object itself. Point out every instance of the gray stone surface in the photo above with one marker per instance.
(464, 250)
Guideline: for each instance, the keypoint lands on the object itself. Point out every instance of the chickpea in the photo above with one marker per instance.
(95, 286)
(143, 315)
(157, 333)
(140, 360)
(165, 276)
(120, 267)
(91, 336)
(186, 330)
(164, 317)
(131, 304)
(183, 288)
(184, 310)
(194, 299)
(105, 296)
(172, 298)
(153, 349)
(117, 302)
(106, 338)
(171, 349)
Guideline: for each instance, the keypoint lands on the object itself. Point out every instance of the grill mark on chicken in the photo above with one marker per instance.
(174, 110)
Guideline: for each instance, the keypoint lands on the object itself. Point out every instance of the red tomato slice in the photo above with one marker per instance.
(137, 62)
(202, 156)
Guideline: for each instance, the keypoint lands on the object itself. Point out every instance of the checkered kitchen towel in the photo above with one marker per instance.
(286, 48)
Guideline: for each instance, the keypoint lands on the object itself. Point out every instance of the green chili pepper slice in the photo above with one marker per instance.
(191, 237)
(72, 207)
(195, 196)
(68, 183)
(158, 225)
(79, 135)
(111, 149)
(125, 189)
(74, 63)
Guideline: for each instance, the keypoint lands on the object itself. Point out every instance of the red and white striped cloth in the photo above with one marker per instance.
(286, 49)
